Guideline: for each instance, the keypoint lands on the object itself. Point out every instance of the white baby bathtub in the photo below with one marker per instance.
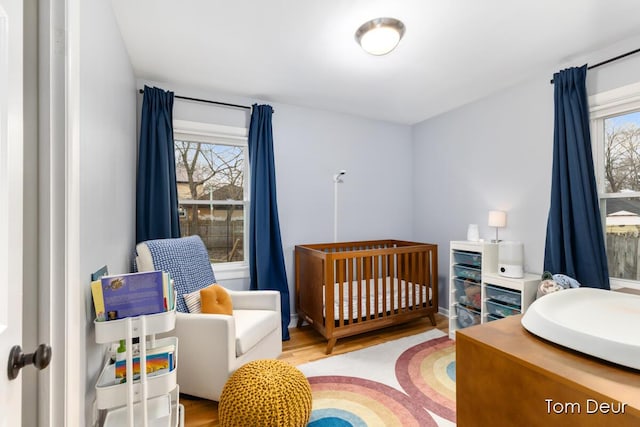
(597, 322)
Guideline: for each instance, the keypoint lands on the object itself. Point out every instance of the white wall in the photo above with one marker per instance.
(310, 146)
(107, 166)
(497, 154)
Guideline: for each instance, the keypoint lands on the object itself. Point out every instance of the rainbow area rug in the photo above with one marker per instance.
(405, 382)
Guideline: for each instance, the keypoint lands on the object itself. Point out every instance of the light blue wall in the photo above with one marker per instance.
(375, 199)
(493, 154)
(496, 153)
(107, 166)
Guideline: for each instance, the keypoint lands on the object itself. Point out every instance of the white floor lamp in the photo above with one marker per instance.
(337, 179)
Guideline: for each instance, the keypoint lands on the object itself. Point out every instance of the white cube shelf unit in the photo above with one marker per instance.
(477, 293)
(505, 296)
(468, 262)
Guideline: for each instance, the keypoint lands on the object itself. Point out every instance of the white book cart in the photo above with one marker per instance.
(151, 401)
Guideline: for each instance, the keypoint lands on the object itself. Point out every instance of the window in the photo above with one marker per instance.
(211, 175)
(615, 130)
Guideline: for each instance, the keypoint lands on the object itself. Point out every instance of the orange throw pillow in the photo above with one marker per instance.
(216, 300)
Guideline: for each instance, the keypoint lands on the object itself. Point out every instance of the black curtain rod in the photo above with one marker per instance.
(225, 104)
(610, 60)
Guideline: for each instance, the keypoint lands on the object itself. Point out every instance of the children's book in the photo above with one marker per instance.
(159, 361)
(98, 300)
(133, 294)
(168, 291)
(96, 292)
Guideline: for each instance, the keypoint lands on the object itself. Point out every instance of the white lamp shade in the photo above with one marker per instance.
(497, 219)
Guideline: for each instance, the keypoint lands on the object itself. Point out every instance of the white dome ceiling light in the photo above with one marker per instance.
(380, 36)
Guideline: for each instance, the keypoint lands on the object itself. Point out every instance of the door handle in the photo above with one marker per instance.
(18, 360)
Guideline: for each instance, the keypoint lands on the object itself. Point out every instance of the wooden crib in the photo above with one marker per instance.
(343, 289)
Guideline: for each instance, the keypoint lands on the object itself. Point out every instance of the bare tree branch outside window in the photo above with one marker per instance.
(212, 173)
(621, 178)
(622, 156)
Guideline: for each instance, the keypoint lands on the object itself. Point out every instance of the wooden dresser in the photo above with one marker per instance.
(505, 376)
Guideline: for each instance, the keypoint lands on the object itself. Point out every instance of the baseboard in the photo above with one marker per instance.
(293, 322)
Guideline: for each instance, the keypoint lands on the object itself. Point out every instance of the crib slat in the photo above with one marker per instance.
(403, 280)
(376, 287)
(414, 277)
(420, 279)
(407, 272)
(410, 288)
(392, 285)
(399, 282)
(367, 278)
(340, 269)
(385, 274)
(399, 275)
(426, 282)
(357, 286)
(350, 280)
(426, 275)
(410, 281)
(361, 286)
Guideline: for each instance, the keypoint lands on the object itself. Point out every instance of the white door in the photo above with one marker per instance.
(11, 156)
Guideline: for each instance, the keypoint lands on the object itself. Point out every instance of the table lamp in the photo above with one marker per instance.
(497, 219)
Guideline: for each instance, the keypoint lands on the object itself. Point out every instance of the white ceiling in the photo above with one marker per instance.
(303, 52)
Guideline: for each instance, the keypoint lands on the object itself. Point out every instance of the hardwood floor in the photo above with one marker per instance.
(306, 345)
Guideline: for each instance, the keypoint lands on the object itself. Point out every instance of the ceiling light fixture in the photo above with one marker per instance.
(380, 36)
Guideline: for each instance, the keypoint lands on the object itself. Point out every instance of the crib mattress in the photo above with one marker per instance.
(400, 290)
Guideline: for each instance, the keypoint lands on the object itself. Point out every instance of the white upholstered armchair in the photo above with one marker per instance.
(212, 346)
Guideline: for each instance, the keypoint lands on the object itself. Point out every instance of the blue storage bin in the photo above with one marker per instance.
(501, 310)
(466, 317)
(492, 317)
(503, 295)
(473, 259)
(467, 272)
(468, 293)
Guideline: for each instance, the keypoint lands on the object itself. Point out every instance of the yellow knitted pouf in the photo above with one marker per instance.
(265, 393)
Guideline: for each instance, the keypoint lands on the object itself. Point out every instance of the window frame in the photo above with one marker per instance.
(222, 135)
(603, 105)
